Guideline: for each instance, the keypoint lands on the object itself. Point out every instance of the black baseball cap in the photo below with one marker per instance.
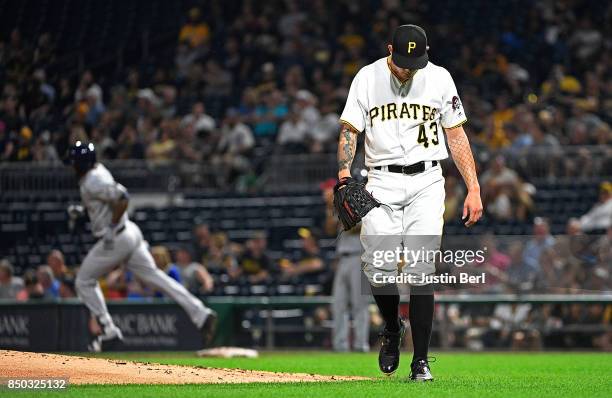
(410, 47)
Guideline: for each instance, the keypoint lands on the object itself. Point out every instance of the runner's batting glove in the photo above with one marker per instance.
(352, 202)
(75, 211)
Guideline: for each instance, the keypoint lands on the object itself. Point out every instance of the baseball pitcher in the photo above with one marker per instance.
(409, 110)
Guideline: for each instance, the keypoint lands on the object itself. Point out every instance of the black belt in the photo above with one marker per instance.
(120, 230)
(411, 169)
(350, 254)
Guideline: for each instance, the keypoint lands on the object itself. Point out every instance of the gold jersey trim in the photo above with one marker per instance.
(350, 125)
(455, 126)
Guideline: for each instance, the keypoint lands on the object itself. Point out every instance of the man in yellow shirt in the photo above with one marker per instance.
(195, 32)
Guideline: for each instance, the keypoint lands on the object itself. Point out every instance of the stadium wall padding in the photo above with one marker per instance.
(63, 326)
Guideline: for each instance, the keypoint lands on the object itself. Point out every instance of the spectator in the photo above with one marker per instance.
(512, 321)
(43, 149)
(67, 287)
(496, 263)
(350, 38)
(195, 31)
(507, 196)
(293, 133)
(221, 257)
(308, 260)
(236, 137)
(89, 91)
(164, 147)
(201, 122)
(571, 248)
(289, 23)
(184, 59)
(201, 241)
(129, 144)
(520, 276)
(49, 283)
(554, 274)
(55, 260)
(541, 240)
(305, 106)
(600, 215)
(10, 285)
(218, 81)
(603, 249)
(161, 256)
(269, 114)
(190, 146)
(325, 132)
(234, 148)
(168, 101)
(254, 263)
(148, 103)
(32, 289)
(193, 275)
(586, 40)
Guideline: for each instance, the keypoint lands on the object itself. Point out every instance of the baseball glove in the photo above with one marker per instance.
(352, 202)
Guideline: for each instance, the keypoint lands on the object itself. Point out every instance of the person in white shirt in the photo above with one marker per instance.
(234, 146)
(405, 106)
(600, 215)
(306, 106)
(201, 121)
(293, 132)
(236, 137)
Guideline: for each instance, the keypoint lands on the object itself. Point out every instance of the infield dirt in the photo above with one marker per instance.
(84, 370)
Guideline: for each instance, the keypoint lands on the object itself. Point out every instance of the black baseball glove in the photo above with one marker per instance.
(352, 202)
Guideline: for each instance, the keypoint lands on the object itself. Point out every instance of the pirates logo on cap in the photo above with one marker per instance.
(411, 46)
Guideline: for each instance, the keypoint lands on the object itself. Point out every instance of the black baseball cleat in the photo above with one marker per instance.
(209, 327)
(389, 355)
(419, 370)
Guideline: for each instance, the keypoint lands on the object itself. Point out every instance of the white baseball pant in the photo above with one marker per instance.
(130, 248)
(410, 217)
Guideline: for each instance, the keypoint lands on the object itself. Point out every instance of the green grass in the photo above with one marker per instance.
(457, 375)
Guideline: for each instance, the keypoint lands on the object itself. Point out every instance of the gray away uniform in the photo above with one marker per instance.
(98, 191)
(348, 299)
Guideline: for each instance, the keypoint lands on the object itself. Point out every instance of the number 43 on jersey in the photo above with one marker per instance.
(431, 135)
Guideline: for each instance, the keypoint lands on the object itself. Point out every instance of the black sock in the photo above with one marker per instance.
(387, 299)
(421, 311)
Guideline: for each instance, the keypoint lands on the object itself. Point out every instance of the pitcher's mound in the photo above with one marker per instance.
(82, 370)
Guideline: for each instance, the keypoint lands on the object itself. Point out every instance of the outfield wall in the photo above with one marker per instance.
(159, 325)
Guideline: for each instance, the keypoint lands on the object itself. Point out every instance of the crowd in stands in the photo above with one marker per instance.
(275, 76)
(212, 261)
(570, 263)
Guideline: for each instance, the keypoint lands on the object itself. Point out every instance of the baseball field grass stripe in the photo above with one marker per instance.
(457, 375)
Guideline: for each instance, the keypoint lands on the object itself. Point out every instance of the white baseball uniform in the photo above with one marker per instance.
(98, 191)
(403, 124)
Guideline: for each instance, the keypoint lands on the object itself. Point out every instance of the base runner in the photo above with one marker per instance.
(120, 241)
